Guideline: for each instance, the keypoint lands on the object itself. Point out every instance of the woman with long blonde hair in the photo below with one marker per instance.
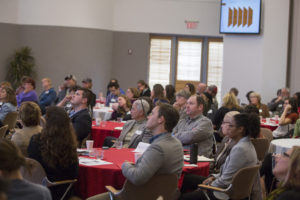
(230, 103)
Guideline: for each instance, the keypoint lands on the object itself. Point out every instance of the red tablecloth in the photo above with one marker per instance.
(99, 133)
(93, 179)
(272, 125)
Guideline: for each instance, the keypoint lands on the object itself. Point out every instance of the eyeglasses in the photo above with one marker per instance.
(143, 108)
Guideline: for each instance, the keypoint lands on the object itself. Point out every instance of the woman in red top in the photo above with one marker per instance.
(290, 112)
(287, 118)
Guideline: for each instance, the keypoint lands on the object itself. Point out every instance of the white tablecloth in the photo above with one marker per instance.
(282, 145)
(104, 113)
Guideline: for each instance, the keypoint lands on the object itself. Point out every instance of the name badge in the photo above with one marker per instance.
(47, 92)
(138, 132)
(260, 110)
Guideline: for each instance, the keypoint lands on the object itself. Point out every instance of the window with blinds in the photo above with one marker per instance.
(160, 61)
(189, 60)
(215, 65)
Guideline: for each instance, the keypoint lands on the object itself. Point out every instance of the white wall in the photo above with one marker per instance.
(167, 16)
(9, 11)
(150, 16)
(295, 45)
(70, 13)
(258, 62)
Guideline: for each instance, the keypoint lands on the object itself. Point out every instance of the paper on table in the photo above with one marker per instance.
(200, 158)
(190, 165)
(92, 162)
(119, 128)
(81, 150)
(142, 147)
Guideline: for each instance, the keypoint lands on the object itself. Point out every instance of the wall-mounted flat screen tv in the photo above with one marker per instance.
(240, 16)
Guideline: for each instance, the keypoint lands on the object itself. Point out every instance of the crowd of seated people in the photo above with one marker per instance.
(178, 120)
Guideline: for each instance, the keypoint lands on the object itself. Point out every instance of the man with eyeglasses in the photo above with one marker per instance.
(195, 128)
(134, 131)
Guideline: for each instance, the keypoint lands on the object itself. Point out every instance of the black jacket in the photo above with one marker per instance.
(82, 123)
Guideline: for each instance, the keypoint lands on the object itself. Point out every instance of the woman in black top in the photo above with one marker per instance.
(55, 149)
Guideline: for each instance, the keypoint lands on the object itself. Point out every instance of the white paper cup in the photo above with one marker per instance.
(137, 155)
(98, 121)
(89, 144)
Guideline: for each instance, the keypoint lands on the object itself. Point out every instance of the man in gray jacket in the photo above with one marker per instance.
(164, 155)
(195, 128)
(134, 131)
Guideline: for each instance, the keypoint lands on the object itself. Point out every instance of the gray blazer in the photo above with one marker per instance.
(163, 156)
(198, 130)
(136, 138)
(242, 155)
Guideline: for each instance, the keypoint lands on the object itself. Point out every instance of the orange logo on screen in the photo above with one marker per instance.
(240, 16)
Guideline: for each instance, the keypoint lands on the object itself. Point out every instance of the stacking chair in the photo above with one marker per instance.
(70, 183)
(267, 133)
(11, 120)
(241, 185)
(34, 172)
(3, 130)
(261, 146)
(164, 186)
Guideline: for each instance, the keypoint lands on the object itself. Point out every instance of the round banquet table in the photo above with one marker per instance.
(93, 179)
(282, 145)
(108, 128)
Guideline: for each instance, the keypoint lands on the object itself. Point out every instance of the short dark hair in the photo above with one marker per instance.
(86, 93)
(31, 81)
(199, 100)
(251, 109)
(250, 122)
(73, 88)
(235, 91)
(170, 114)
(116, 85)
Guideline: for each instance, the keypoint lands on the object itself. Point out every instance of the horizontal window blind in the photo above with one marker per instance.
(160, 61)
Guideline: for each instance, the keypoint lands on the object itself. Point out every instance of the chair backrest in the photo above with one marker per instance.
(242, 182)
(11, 119)
(261, 146)
(267, 133)
(35, 172)
(69, 183)
(3, 130)
(159, 185)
